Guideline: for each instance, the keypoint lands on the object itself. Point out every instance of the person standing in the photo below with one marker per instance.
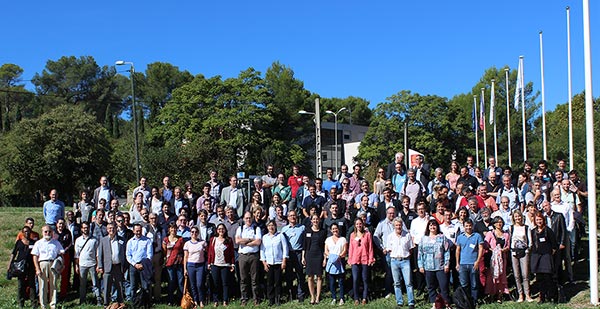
(221, 263)
(398, 246)
(249, 238)
(313, 257)
(104, 191)
(469, 255)
(360, 256)
(294, 233)
(53, 209)
(194, 265)
(543, 246)
(274, 255)
(336, 248)
(499, 243)
(139, 255)
(86, 247)
(22, 252)
(45, 251)
(111, 264)
(520, 242)
(172, 245)
(155, 233)
(64, 236)
(434, 261)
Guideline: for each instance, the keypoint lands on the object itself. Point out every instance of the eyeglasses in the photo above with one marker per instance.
(120, 221)
(47, 232)
(194, 232)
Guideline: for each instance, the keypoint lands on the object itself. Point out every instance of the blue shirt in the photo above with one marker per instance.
(328, 184)
(167, 194)
(53, 210)
(294, 235)
(434, 253)
(138, 249)
(469, 247)
(373, 198)
(178, 204)
(185, 234)
(273, 248)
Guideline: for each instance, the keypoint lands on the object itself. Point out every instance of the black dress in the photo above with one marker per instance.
(541, 251)
(314, 247)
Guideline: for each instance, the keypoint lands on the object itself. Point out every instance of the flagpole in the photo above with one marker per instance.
(482, 121)
(571, 163)
(544, 143)
(523, 108)
(475, 124)
(591, 163)
(508, 118)
(493, 118)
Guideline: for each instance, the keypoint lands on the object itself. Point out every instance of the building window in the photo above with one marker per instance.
(324, 156)
(346, 135)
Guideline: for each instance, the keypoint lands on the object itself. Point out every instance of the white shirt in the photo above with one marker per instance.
(274, 248)
(399, 245)
(47, 250)
(248, 232)
(567, 211)
(233, 198)
(335, 247)
(450, 231)
(116, 250)
(417, 228)
(87, 254)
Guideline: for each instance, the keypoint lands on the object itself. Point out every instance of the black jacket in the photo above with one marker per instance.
(559, 228)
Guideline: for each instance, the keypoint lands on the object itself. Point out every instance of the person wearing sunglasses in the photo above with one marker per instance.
(194, 265)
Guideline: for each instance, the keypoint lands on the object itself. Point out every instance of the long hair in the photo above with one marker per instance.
(432, 222)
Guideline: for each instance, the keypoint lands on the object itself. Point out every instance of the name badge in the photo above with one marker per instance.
(340, 223)
(308, 235)
(542, 239)
(410, 217)
(472, 246)
(30, 247)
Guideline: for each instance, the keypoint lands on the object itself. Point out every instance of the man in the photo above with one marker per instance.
(330, 181)
(114, 207)
(406, 213)
(103, 192)
(365, 191)
(98, 227)
(398, 179)
(248, 237)
(546, 175)
(470, 165)
(356, 179)
(294, 233)
(438, 180)
(348, 196)
(183, 230)
(265, 193)
(166, 191)
(29, 222)
(504, 212)
(302, 192)
(488, 200)
(179, 201)
(399, 245)
(391, 168)
(145, 189)
(154, 232)
(469, 253)
(53, 209)
(216, 186)
(485, 224)
(234, 196)
(206, 196)
(556, 222)
(86, 248)
(492, 185)
(383, 230)
(545, 183)
(386, 202)
(474, 210)
(492, 169)
(512, 193)
(320, 190)
(111, 264)
(566, 210)
(294, 182)
(84, 207)
(343, 173)
(413, 188)
(334, 198)
(139, 255)
(535, 195)
(313, 200)
(422, 171)
(122, 230)
(581, 189)
(417, 231)
(467, 180)
(336, 217)
(283, 189)
(269, 179)
(219, 217)
(166, 216)
(45, 252)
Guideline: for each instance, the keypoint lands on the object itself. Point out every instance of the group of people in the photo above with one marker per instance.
(426, 233)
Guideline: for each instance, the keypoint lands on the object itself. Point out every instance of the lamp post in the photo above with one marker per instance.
(319, 165)
(335, 114)
(134, 112)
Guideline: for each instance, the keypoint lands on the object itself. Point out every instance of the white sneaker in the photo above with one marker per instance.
(388, 296)
(341, 302)
(333, 302)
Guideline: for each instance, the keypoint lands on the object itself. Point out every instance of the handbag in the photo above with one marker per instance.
(17, 268)
(187, 301)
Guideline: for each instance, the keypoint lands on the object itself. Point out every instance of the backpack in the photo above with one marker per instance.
(461, 299)
(141, 299)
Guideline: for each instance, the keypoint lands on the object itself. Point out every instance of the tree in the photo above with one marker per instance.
(357, 110)
(15, 100)
(64, 149)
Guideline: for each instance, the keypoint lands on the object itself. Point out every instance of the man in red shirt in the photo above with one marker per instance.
(294, 181)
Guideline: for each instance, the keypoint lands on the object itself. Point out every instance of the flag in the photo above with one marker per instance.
(492, 102)
(474, 117)
(412, 155)
(519, 84)
(482, 111)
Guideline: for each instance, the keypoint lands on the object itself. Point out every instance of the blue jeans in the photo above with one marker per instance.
(196, 275)
(437, 279)
(340, 281)
(136, 280)
(402, 268)
(175, 273)
(360, 271)
(468, 278)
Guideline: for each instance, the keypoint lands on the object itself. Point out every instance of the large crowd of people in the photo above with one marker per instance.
(483, 231)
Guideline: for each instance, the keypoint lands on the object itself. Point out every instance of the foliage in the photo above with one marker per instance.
(64, 149)
(15, 101)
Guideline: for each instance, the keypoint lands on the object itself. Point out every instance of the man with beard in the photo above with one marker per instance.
(86, 247)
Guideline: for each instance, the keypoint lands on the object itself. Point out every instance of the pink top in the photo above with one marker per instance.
(360, 249)
(195, 251)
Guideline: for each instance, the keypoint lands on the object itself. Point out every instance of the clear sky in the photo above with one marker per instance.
(369, 49)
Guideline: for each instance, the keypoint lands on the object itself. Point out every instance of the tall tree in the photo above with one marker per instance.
(15, 100)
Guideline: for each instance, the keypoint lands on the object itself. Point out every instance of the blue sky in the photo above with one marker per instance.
(338, 48)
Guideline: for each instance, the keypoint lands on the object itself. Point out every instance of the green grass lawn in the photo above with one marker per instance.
(12, 219)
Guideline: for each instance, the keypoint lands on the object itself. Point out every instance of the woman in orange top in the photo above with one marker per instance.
(360, 256)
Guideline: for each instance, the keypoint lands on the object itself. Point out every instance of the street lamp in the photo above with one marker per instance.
(317, 114)
(336, 134)
(135, 128)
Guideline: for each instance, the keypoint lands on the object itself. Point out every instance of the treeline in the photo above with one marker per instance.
(75, 125)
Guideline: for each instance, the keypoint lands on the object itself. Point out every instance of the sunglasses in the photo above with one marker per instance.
(194, 232)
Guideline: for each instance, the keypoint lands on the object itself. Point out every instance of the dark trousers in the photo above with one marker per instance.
(112, 280)
(360, 272)
(437, 280)
(332, 281)
(294, 270)
(274, 283)
(136, 280)
(389, 279)
(196, 274)
(27, 280)
(562, 274)
(249, 275)
(418, 278)
(221, 276)
(547, 286)
(175, 283)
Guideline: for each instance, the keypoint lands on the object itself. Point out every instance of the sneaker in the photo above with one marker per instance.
(333, 302)
(341, 302)
(388, 296)
(520, 300)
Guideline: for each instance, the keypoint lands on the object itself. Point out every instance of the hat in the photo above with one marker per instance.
(58, 265)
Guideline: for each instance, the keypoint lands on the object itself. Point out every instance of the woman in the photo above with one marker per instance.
(462, 214)
(156, 201)
(194, 263)
(276, 202)
(453, 175)
(434, 261)
(519, 246)
(273, 255)
(336, 248)
(65, 238)
(22, 251)
(499, 244)
(207, 229)
(543, 247)
(379, 183)
(360, 256)
(221, 263)
(256, 202)
(260, 220)
(313, 257)
(173, 246)
(530, 215)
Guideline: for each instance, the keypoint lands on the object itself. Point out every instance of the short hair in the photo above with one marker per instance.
(498, 219)
(468, 221)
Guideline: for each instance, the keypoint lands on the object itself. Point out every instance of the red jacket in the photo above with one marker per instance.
(229, 257)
